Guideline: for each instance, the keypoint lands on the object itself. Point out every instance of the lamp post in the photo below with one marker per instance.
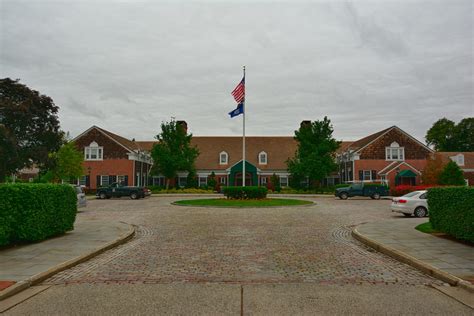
(89, 171)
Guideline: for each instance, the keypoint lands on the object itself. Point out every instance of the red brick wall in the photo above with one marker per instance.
(469, 176)
(380, 164)
(117, 167)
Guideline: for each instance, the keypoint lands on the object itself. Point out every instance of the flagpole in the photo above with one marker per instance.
(243, 139)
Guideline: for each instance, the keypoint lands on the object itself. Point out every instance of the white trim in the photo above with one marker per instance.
(403, 163)
(230, 168)
(260, 154)
(226, 158)
(388, 166)
(398, 128)
(100, 130)
(400, 153)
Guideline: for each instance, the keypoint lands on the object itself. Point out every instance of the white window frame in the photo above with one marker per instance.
(223, 180)
(223, 161)
(260, 156)
(102, 177)
(204, 183)
(99, 151)
(120, 177)
(394, 148)
(364, 178)
(263, 181)
(82, 180)
(284, 185)
(458, 159)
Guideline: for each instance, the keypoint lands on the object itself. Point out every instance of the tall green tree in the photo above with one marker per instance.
(67, 162)
(173, 152)
(451, 175)
(314, 157)
(29, 127)
(446, 135)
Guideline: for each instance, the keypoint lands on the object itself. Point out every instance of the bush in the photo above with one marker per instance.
(451, 210)
(400, 190)
(34, 212)
(245, 193)
(182, 191)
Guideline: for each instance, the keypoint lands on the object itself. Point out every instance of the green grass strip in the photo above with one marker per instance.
(243, 203)
(426, 228)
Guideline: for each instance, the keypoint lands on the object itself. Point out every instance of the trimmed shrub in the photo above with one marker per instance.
(245, 193)
(400, 190)
(34, 212)
(451, 210)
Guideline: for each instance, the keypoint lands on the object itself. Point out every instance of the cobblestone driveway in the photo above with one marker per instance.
(273, 245)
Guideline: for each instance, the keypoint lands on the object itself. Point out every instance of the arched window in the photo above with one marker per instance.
(223, 158)
(93, 152)
(262, 158)
(394, 152)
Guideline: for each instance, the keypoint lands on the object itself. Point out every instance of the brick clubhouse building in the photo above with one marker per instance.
(391, 156)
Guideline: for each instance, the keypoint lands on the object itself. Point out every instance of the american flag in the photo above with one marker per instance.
(239, 91)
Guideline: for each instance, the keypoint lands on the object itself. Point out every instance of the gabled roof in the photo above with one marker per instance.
(468, 157)
(360, 144)
(126, 143)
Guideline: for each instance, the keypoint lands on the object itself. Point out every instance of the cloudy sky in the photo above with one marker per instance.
(128, 65)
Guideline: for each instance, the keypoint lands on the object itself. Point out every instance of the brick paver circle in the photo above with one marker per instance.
(276, 245)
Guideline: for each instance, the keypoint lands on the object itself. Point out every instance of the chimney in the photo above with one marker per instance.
(305, 124)
(184, 125)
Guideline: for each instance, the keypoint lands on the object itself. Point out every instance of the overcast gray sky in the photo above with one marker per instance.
(127, 65)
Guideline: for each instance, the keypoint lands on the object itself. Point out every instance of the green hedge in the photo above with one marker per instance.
(245, 193)
(34, 212)
(451, 210)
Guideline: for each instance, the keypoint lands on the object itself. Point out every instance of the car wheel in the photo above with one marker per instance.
(420, 212)
(133, 195)
(343, 196)
(376, 196)
(102, 195)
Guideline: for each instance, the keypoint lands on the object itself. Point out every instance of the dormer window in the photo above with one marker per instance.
(394, 152)
(223, 158)
(458, 159)
(262, 158)
(93, 152)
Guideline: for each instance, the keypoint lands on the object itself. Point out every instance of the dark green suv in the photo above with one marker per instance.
(118, 190)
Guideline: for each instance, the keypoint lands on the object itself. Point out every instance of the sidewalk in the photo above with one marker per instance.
(22, 266)
(432, 254)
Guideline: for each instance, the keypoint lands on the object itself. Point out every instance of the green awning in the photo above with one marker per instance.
(406, 174)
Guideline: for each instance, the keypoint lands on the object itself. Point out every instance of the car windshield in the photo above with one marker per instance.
(411, 194)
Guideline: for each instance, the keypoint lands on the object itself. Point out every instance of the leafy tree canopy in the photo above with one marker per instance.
(445, 135)
(173, 152)
(432, 171)
(314, 157)
(29, 127)
(67, 162)
(452, 175)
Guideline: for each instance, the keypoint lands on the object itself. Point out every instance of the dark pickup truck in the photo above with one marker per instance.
(118, 190)
(375, 191)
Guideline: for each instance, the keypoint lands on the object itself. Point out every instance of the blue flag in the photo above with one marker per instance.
(239, 110)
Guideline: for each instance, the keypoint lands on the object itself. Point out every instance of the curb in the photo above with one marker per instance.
(24, 284)
(412, 261)
(240, 207)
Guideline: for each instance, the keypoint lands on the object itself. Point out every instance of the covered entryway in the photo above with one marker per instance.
(405, 177)
(235, 174)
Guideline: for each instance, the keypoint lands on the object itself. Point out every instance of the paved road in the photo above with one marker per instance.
(303, 255)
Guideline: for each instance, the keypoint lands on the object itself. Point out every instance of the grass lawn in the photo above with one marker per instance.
(243, 203)
(426, 228)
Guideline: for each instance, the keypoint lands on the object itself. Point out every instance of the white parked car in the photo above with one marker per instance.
(413, 203)
(81, 196)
